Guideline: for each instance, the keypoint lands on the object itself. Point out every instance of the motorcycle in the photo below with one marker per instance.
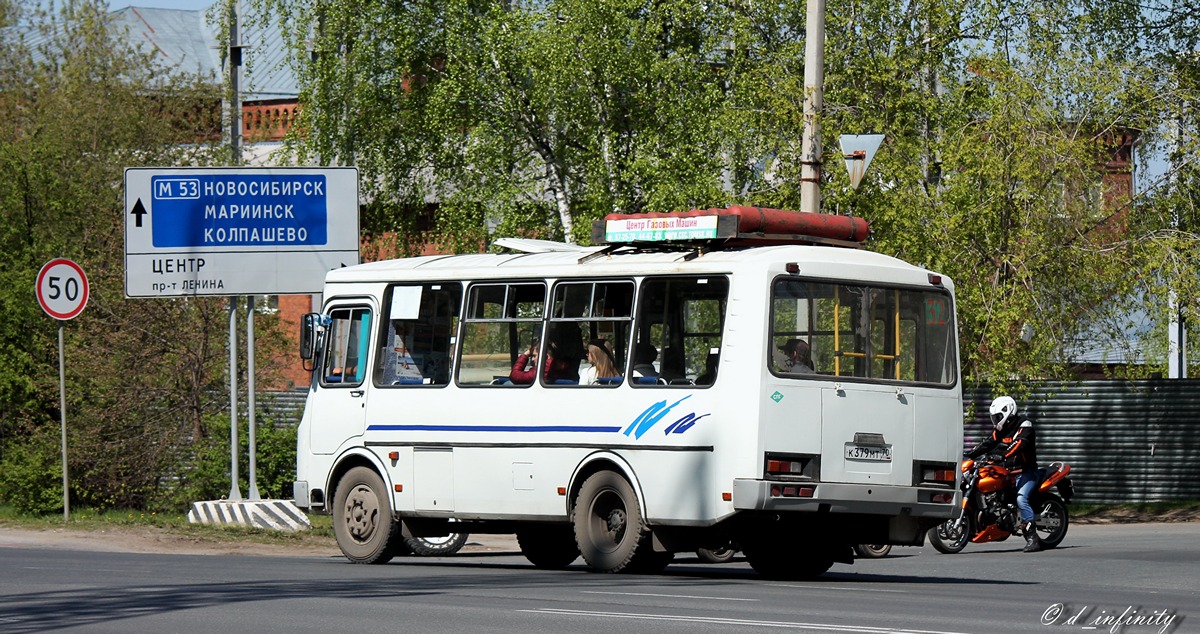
(990, 511)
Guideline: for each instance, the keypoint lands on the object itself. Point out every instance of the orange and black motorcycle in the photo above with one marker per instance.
(990, 506)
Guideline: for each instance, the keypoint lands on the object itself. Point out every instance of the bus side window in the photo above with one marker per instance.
(587, 314)
(345, 359)
(499, 324)
(679, 330)
(417, 346)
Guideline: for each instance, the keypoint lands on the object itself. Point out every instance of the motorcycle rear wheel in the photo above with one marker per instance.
(1052, 520)
(948, 540)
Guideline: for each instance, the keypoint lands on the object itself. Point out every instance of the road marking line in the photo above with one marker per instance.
(823, 587)
(827, 627)
(669, 596)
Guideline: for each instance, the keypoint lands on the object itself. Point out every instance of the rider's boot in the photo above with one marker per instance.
(1032, 543)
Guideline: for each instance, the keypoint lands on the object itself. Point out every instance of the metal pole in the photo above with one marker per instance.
(62, 407)
(235, 99)
(814, 79)
(250, 393)
(235, 493)
(1177, 328)
(235, 147)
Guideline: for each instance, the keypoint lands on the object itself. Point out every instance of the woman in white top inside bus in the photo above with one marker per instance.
(602, 366)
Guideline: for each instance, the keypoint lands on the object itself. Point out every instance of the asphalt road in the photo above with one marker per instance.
(1134, 578)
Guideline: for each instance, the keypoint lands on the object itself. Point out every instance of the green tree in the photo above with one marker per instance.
(998, 121)
(539, 116)
(77, 106)
(998, 115)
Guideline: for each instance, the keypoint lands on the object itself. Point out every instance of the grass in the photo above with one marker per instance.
(173, 523)
(1178, 510)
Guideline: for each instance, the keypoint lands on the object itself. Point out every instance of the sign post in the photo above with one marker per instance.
(62, 290)
(234, 231)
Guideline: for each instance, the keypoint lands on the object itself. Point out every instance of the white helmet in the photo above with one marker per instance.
(1002, 409)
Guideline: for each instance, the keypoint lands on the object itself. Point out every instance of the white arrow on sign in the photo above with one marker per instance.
(858, 150)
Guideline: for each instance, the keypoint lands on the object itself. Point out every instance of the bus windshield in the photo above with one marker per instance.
(867, 332)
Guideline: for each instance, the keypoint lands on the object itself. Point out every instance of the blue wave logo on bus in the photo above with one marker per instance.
(654, 414)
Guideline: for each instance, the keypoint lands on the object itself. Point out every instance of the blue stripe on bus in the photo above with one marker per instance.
(574, 428)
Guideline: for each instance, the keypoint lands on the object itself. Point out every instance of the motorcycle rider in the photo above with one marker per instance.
(1015, 439)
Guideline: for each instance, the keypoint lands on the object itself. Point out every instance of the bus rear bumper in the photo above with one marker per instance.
(835, 497)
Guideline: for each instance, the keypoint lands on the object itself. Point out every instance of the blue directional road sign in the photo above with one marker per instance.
(237, 231)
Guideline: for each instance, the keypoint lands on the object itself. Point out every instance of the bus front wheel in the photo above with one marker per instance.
(362, 518)
(608, 523)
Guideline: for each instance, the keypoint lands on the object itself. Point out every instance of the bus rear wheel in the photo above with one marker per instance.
(362, 518)
(550, 547)
(774, 561)
(609, 527)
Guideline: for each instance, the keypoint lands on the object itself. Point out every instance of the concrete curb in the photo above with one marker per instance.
(280, 515)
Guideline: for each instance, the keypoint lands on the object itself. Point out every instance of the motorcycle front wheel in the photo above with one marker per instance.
(1052, 520)
(947, 538)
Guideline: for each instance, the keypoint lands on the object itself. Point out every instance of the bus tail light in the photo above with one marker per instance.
(939, 475)
(936, 473)
(792, 491)
(784, 467)
(792, 466)
(943, 498)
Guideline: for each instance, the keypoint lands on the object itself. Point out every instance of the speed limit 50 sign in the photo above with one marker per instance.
(62, 289)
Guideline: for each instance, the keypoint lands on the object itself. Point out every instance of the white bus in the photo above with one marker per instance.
(792, 399)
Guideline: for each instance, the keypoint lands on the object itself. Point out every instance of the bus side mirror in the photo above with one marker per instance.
(308, 335)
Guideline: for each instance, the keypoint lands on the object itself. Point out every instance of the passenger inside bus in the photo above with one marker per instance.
(525, 368)
(673, 366)
(562, 359)
(602, 370)
(796, 357)
(644, 355)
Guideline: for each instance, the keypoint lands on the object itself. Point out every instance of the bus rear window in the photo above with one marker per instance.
(851, 330)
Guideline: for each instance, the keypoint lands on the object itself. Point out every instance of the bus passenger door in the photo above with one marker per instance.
(339, 406)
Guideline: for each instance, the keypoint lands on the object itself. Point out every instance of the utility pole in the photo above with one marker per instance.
(1177, 328)
(814, 80)
(235, 158)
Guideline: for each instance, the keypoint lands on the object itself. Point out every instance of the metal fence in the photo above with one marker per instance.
(1126, 441)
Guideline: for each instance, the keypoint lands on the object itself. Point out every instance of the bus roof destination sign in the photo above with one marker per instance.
(237, 231)
(661, 228)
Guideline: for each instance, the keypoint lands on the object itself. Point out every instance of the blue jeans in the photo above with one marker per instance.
(1026, 482)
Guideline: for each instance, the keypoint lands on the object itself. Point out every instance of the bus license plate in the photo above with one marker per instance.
(873, 454)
